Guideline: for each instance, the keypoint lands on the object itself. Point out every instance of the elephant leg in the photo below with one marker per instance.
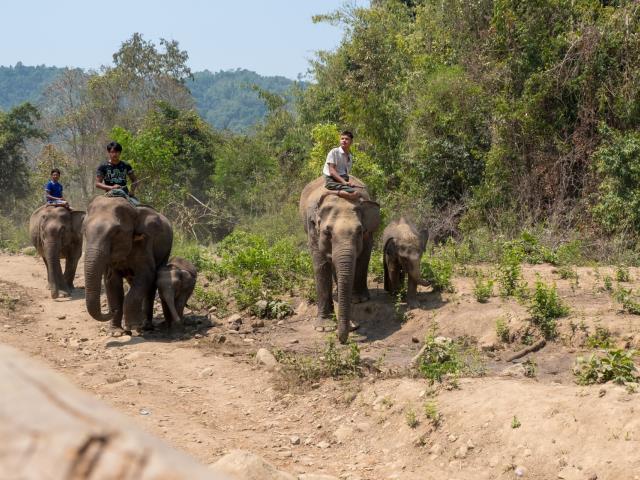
(324, 279)
(181, 302)
(115, 297)
(412, 290)
(148, 308)
(360, 289)
(51, 256)
(395, 277)
(71, 265)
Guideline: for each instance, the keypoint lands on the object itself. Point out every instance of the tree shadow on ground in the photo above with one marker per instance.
(382, 316)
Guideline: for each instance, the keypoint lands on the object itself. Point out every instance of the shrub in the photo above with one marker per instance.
(627, 299)
(569, 253)
(530, 368)
(529, 249)
(431, 411)
(615, 366)
(438, 271)
(205, 299)
(600, 339)
(622, 273)
(545, 307)
(482, 289)
(411, 418)
(502, 331)
(567, 272)
(515, 423)
(510, 272)
(440, 358)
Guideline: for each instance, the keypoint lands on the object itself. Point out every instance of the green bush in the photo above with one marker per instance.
(600, 339)
(569, 253)
(204, 298)
(567, 272)
(482, 289)
(529, 249)
(510, 272)
(196, 254)
(502, 331)
(440, 358)
(546, 306)
(260, 270)
(615, 366)
(438, 271)
(622, 273)
(628, 300)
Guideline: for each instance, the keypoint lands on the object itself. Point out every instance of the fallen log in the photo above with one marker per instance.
(50, 429)
(525, 351)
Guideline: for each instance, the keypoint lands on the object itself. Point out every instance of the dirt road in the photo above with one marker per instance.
(206, 397)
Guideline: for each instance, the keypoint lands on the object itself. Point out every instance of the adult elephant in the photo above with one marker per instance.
(124, 242)
(403, 247)
(57, 233)
(340, 237)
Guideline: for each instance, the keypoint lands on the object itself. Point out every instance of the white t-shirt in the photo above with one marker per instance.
(341, 160)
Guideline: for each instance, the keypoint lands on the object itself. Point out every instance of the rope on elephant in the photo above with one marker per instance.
(122, 194)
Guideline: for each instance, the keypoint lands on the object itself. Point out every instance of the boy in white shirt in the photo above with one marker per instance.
(337, 167)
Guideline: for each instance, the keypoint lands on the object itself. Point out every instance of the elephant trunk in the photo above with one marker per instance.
(51, 252)
(345, 266)
(94, 267)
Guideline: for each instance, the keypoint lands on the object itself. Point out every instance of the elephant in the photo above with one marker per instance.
(403, 247)
(340, 238)
(175, 281)
(56, 232)
(124, 242)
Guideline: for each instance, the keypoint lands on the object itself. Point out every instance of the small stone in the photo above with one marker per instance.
(115, 378)
(452, 438)
(527, 452)
(295, 440)
(470, 444)
(61, 317)
(266, 358)
(144, 411)
(343, 433)
(415, 339)
(520, 471)
(234, 319)
(436, 449)
(206, 372)
(258, 323)
(197, 335)
(280, 322)
(323, 445)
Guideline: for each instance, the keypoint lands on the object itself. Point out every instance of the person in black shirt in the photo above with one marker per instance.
(113, 174)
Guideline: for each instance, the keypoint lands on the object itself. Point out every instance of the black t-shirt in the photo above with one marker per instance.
(115, 174)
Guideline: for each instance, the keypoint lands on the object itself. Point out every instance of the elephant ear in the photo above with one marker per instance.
(77, 219)
(370, 215)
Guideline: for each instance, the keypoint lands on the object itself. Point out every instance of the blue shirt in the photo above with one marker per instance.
(54, 189)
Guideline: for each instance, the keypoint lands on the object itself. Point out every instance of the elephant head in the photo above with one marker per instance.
(56, 233)
(403, 248)
(343, 232)
(124, 242)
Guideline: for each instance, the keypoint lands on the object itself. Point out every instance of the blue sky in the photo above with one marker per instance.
(271, 37)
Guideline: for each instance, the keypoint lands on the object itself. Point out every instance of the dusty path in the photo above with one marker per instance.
(207, 398)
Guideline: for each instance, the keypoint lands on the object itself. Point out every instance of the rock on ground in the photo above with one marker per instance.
(243, 465)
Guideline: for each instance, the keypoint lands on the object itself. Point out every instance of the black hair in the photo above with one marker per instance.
(55, 170)
(347, 133)
(114, 146)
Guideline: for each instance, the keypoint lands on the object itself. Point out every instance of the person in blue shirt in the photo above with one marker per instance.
(53, 190)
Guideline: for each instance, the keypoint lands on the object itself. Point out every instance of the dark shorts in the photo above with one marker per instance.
(331, 184)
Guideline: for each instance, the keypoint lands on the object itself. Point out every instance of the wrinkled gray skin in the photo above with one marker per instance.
(340, 239)
(124, 242)
(403, 249)
(57, 233)
(175, 281)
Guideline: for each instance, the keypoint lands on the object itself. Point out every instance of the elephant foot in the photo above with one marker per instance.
(353, 326)
(119, 332)
(323, 324)
(54, 294)
(148, 327)
(64, 294)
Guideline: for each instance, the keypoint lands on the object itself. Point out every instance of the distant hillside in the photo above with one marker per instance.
(20, 83)
(224, 99)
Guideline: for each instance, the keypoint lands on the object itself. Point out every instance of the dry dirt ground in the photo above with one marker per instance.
(207, 397)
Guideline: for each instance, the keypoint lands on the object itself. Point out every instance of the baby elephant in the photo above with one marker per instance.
(175, 281)
(403, 249)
